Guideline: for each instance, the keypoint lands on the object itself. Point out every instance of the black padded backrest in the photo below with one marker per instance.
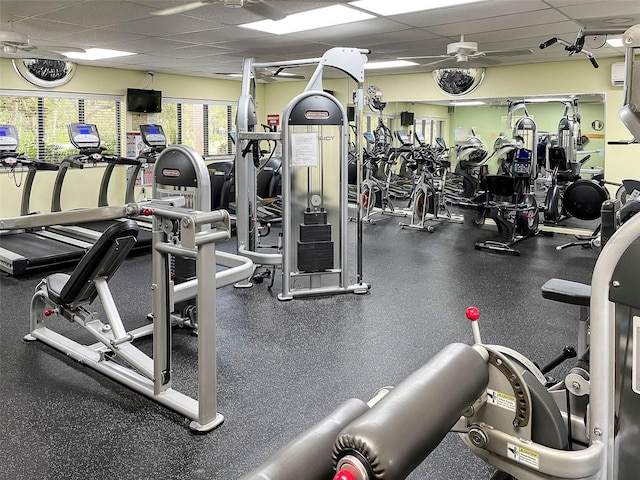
(102, 260)
(501, 186)
(558, 158)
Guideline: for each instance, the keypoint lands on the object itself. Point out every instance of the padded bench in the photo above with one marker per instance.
(572, 293)
(566, 291)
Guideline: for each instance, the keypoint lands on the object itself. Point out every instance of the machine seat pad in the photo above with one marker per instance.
(55, 283)
(566, 291)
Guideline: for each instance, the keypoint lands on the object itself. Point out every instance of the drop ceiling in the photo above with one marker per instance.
(208, 42)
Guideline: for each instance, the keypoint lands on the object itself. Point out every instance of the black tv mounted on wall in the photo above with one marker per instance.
(144, 101)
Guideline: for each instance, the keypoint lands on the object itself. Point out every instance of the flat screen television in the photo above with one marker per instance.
(144, 101)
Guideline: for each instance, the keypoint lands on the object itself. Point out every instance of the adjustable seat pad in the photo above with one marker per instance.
(566, 291)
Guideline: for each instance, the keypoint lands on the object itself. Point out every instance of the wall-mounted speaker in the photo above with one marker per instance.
(351, 113)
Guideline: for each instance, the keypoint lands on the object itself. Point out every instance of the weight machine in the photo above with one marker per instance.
(314, 250)
(177, 232)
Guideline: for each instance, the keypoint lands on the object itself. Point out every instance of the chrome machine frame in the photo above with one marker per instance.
(351, 61)
(148, 376)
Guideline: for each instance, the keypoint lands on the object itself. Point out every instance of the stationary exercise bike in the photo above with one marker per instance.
(375, 190)
(428, 196)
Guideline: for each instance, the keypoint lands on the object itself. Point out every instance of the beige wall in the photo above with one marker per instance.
(576, 76)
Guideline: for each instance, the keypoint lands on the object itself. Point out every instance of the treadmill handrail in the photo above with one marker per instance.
(71, 217)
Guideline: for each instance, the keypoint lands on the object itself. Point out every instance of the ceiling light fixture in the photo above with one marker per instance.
(619, 20)
(97, 54)
(615, 42)
(309, 20)
(546, 99)
(397, 7)
(470, 103)
(388, 64)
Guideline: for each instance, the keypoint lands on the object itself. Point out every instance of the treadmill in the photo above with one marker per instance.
(24, 250)
(85, 137)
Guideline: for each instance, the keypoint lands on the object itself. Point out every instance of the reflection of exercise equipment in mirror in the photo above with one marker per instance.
(508, 200)
(472, 158)
(316, 253)
(428, 201)
(380, 183)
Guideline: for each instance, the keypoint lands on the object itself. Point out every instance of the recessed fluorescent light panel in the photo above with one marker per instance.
(310, 20)
(546, 99)
(397, 7)
(469, 103)
(97, 54)
(615, 42)
(389, 64)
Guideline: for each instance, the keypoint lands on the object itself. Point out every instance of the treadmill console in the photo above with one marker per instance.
(8, 138)
(419, 138)
(84, 135)
(440, 141)
(522, 163)
(403, 138)
(153, 136)
(368, 136)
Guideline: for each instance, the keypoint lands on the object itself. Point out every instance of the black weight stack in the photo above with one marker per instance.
(315, 248)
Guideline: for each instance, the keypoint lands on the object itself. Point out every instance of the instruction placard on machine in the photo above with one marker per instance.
(502, 400)
(304, 149)
(523, 455)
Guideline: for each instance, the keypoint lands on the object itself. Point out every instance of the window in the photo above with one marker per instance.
(431, 128)
(42, 119)
(23, 113)
(202, 125)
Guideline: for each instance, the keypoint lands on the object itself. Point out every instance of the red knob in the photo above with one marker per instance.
(48, 313)
(344, 475)
(473, 313)
(147, 211)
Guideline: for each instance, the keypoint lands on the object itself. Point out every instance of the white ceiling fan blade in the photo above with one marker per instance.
(180, 8)
(507, 53)
(262, 8)
(424, 57)
(33, 54)
(61, 49)
(443, 60)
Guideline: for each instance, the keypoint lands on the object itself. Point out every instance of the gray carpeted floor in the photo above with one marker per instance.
(281, 366)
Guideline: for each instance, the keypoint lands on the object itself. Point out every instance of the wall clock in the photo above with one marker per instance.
(43, 72)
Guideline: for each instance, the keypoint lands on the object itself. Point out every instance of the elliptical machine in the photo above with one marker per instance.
(509, 201)
(472, 165)
(569, 195)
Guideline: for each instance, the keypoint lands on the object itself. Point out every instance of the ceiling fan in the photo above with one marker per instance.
(18, 45)
(460, 52)
(260, 7)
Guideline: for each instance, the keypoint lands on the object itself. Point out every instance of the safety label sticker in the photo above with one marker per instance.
(502, 400)
(523, 455)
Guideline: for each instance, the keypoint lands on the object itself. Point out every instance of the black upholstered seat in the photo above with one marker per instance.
(102, 260)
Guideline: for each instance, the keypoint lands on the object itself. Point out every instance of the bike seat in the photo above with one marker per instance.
(566, 291)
